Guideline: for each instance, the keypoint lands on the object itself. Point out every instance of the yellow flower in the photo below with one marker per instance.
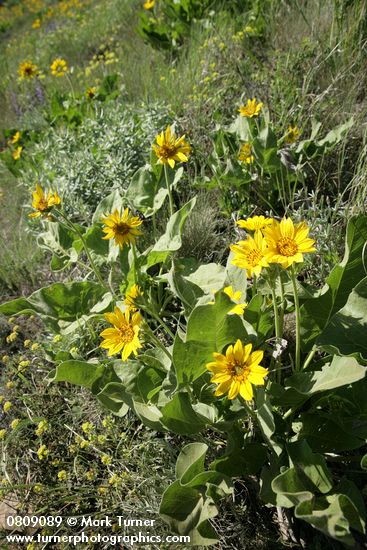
(42, 203)
(42, 452)
(41, 428)
(62, 475)
(255, 223)
(102, 490)
(90, 475)
(250, 254)
(287, 242)
(23, 365)
(36, 23)
(131, 296)
(2, 434)
(90, 93)
(5, 358)
(17, 152)
(149, 4)
(251, 109)
(235, 297)
(106, 460)
(56, 338)
(245, 155)
(7, 406)
(38, 488)
(237, 370)
(169, 149)
(114, 480)
(12, 337)
(10, 384)
(124, 334)
(59, 67)
(88, 427)
(15, 138)
(292, 134)
(35, 346)
(26, 343)
(121, 228)
(27, 70)
(14, 423)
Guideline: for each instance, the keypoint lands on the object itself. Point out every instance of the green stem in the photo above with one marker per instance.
(298, 319)
(309, 357)
(170, 198)
(254, 285)
(282, 305)
(278, 333)
(85, 246)
(160, 321)
(156, 341)
(135, 261)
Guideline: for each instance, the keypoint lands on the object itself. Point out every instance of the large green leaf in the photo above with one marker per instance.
(110, 203)
(336, 514)
(63, 243)
(179, 416)
(171, 240)
(189, 502)
(77, 372)
(346, 332)
(340, 372)
(61, 304)
(316, 313)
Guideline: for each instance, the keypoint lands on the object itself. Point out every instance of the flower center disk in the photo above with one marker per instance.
(287, 247)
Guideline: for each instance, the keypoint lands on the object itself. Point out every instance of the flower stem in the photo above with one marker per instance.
(170, 198)
(156, 341)
(298, 319)
(135, 260)
(278, 333)
(85, 246)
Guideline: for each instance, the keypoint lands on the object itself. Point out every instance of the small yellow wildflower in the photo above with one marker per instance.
(2, 434)
(251, 109)
(5, 358)
(114, 480)
(292, 134)
(106, 460)
(43, 203)
(149, 4)
(59, 67)
(35, 346)
(121, 228)
(245, 154)
(17, 153)
(26, 343)
(41, 428)
(38, 487)
(101, 439)
(56, 338)
(88, 427)
(23, 365)
(14, 423)
(90, 475)
(62, 475)
(7, 406)
(36, 23)
(255, 223)
(42, 452)
(102, 490)
(10, 385)
(55, 462)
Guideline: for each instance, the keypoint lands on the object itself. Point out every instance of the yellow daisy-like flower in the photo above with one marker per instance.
(124, 229)
(124, 336)
(27, 70)
(16, 154)
(292, 134)
(237, 370)
(43, 203)
(251, 109)
(36, 23)
(287, 242)
(251, 254)
(131, 296)
(149, 4)
(170, 149)
(235, 297)
(59, 67)
(245, 154)
(15, 138)
(255, 223)
(91, 92)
